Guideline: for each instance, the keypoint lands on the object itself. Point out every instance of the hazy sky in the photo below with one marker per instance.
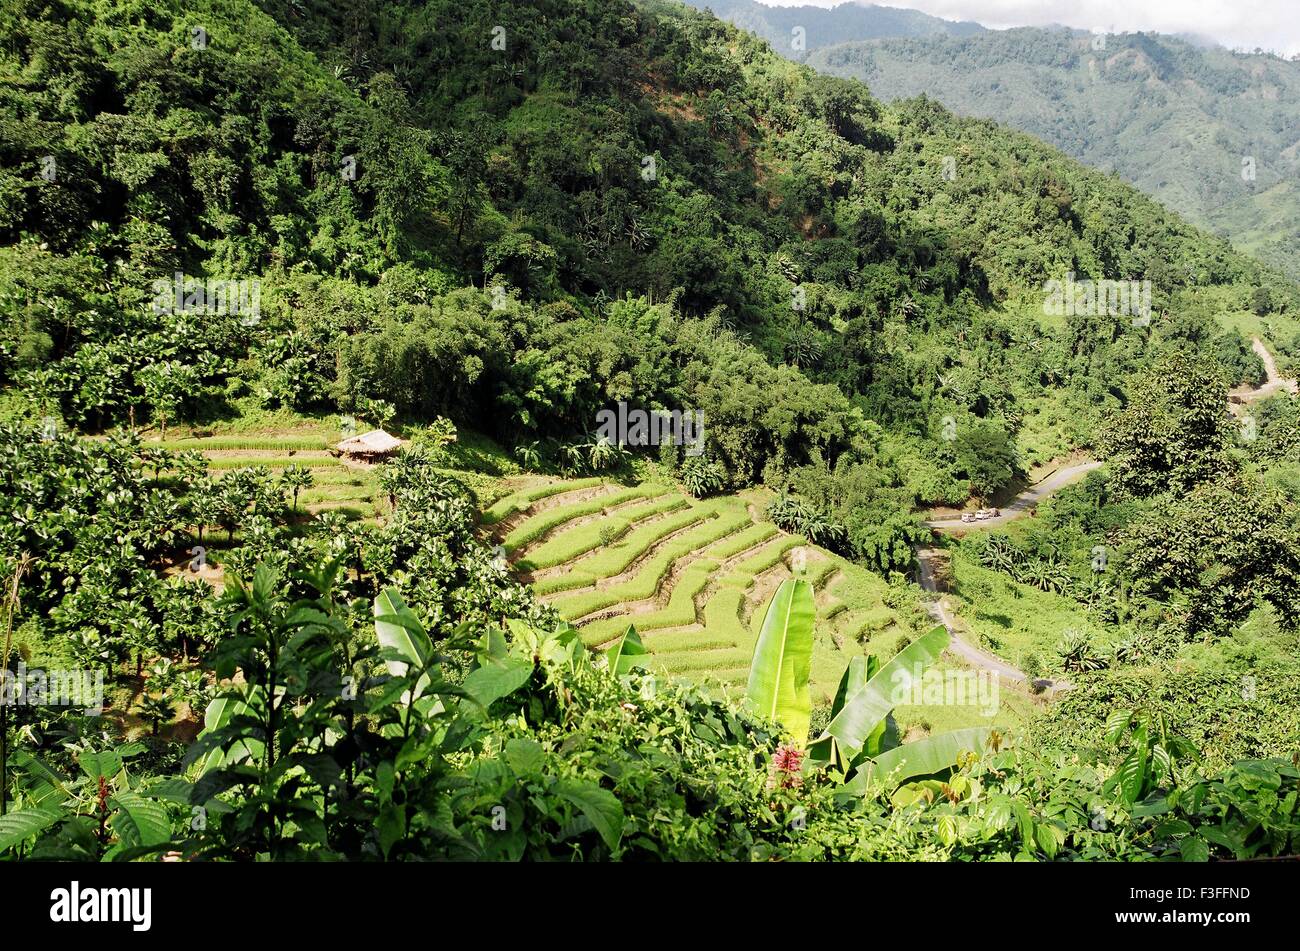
(1267, 24)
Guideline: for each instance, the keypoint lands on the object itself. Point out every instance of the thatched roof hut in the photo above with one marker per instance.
(370, 447)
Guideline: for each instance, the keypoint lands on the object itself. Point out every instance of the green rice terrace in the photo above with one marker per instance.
(693, 577)
(335, 485)
(572, 431)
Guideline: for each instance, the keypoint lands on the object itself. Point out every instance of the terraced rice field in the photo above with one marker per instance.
(693, 576)
(337, 485)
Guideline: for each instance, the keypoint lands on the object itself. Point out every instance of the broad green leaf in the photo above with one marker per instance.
(600, 806)
(390, 826)
(400, 630)
(1162, 764)
(41, 785)
(322, 768)
(947, 829)
(1170, 828)
(998, 813)
(778, 675)
(1223, 837)
(1129, 776)
(495, 644)
(864, 711)
(1025, 824)
(1117, 723)
(139, 821)
(1194, 849)
(525, 756)
(25, 823)
(627, 654)
(219, 713)
(492, 681)
(1049, 838)
(855, 677)
(170, 789)
(927, 790)
(107, 764)
(921, 757)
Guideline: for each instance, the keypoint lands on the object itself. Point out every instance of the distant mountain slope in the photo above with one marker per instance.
(1180, 121)
(826, 27)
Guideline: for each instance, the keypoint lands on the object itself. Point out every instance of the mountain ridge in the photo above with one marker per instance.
(1204, 130)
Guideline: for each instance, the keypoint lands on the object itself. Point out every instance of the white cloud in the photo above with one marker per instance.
(1266, 24)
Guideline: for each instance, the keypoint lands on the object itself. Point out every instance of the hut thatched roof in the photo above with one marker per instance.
(374, 443)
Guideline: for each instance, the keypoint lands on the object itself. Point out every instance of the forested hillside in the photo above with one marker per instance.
(1208, 132)
(231, 233)
(797, 30)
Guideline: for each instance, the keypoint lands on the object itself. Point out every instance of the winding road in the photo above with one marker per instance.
(1021, 505)
(969, 652)
(1276, 383)
(1025, 502)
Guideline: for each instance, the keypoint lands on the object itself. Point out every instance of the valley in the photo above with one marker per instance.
(552, 438)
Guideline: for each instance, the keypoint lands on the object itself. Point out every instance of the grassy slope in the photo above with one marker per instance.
(694, 576)
(1010, 619)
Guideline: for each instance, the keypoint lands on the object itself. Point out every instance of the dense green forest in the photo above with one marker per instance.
(795, 31)
(1207, 131)
(231, 232)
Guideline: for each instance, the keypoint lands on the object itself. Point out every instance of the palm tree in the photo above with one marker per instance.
(380, 412)
(1077, 653)
(804, 348)
(205, 506)
(295, 479)
(999, 554)
(1059, 578)
(604, 453)
(574, 457)
(529, 456)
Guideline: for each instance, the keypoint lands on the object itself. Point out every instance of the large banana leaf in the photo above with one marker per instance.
(919, 758)
(863, 713)
(628, 654)
(855, 677)
(220, 711)
(860, 670)
(778, 675)
(400, 633)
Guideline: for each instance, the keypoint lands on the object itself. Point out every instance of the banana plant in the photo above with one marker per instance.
(853, 740)
(778, 675)
(856, 676)
(628, 654)
(920, 757)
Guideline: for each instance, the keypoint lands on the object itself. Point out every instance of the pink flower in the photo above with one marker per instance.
(787, 766)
